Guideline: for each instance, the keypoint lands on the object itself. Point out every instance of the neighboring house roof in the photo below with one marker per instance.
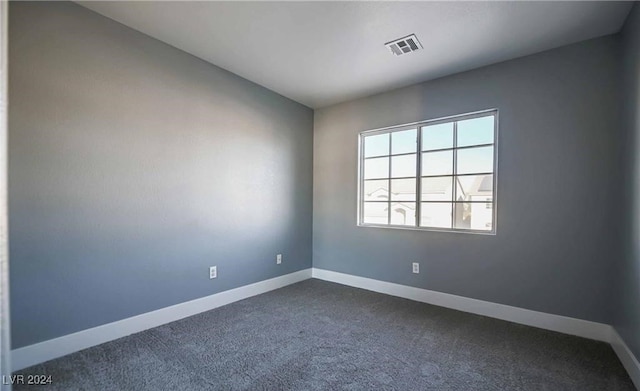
(436, 187)
(382, 193)
(399, 204)
(481, 185)
(486, 184)
(379, 193)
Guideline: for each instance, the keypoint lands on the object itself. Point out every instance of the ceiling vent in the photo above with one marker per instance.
(404, 45)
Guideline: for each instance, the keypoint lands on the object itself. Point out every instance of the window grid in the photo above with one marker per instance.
(389, 180)
(418, 175)
(456, 205)
(454, 189)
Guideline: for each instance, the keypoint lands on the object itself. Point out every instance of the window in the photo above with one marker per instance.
(433, 175)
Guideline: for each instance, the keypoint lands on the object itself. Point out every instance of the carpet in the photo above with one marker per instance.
(317, 335)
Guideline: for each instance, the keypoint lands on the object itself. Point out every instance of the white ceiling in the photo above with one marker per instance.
(321, 53)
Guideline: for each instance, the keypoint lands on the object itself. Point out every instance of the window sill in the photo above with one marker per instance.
(429, 229)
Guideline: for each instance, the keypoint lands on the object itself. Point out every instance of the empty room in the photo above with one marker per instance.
(320, 195)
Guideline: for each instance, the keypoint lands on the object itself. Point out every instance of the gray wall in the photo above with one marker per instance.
(627, 300)
(558, 161)
(133, 167)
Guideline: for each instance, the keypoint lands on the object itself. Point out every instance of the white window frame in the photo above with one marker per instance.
(418, 201)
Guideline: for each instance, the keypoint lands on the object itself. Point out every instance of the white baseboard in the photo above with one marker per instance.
(626, 356)
(562, 324)
(40, 352)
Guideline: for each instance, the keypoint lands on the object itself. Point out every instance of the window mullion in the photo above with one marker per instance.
(361, 217)
(389, 181)
(418, 175)
(453, 178)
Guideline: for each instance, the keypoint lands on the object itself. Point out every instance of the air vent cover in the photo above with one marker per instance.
(404, 45)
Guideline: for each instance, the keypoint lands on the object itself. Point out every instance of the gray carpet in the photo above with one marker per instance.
(316, 335)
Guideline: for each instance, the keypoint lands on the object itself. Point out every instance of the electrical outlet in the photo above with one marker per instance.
(213, 272)
(416, 267)
(279, 259)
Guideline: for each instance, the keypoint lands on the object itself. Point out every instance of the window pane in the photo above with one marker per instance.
(437, 136)
(475, 160)
(437, 163)
(403, 189)
(377, 145)
(474, 215)
(403, 213)
(476, 131)
(376, 168)
(402, 166)
(375, 213)
(437, 189)
(474, 187)
(377, 190)
(435, 214)
(404, 142)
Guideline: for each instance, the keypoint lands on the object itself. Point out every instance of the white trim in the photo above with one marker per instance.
(5, 334)
(562, 324)
(43, 351)
(626, 356)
